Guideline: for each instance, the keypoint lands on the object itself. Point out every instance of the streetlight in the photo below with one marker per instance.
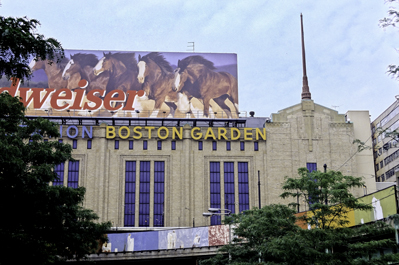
(218, 212)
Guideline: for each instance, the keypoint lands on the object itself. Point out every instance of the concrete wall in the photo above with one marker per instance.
(304, 133)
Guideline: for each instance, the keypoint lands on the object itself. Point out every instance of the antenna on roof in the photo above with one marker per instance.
(305, 87)
(191, 45)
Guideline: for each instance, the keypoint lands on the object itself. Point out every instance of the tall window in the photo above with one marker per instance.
(242, 146)
(116, 144)
(173, 145)
(229, 186)
(88, 144)
(311, 166)
(228, 146)
(159, 190)
(159, 145)
(145, 143)
(144, 197)
(214, 146)
(199, 145)
(59, 170)
(130, 144)
(243, 187)
(73, 174)
(215, 190)
(130, 192)
(256, 146)
(74, 144)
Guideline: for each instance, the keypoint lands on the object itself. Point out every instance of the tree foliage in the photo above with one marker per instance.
(391, 20)
(40, 224)
(327, 195)
(19, 43)
(271, 235)
(253, 232)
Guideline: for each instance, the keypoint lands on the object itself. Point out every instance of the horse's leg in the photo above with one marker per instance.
(206, 106)
(235, 114)
(221, 102)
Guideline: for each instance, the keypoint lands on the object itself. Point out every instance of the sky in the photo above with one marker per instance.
(347, 53)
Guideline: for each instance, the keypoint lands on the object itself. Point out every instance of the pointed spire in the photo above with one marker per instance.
(305, 88)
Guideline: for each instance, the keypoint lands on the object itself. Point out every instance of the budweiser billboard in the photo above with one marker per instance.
(132, 84)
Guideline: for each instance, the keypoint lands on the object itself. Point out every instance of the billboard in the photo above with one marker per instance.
(132, 84)
(167, 239)
(383, 203)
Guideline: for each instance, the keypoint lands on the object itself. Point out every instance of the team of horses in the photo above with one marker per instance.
(194, 88)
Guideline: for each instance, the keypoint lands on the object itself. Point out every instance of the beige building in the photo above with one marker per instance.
(161, 172)
(385, 146)
(150, 172)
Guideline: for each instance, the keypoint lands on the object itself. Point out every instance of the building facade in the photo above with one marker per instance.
(385, 144)
(166, 173)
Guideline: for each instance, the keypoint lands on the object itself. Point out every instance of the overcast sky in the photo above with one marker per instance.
(347, 53)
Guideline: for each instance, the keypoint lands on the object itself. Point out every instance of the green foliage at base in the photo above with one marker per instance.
(40, 223)
(271, 236)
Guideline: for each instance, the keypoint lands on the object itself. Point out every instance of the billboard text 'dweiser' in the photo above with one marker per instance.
(144, 82)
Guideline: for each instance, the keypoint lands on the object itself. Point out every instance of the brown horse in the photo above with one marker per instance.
(82, 64)
(196, 77)
(53, 72)
(157, 77)
(122, 69)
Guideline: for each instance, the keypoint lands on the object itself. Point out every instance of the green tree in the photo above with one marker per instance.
(254, 230)
(41, 223)
(19, 43)
(271, 236)
(327, 195)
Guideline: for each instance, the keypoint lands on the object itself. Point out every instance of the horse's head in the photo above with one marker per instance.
(69, 69)
(143, 71)
(110, 63)
(100, 66)
(179, 80)
(36, 64)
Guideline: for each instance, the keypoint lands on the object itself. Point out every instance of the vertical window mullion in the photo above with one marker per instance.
(144, 207)
(215, 190)
(243, 186)
(229, 196)
(130, 193)
(73, 174)
(159, 186)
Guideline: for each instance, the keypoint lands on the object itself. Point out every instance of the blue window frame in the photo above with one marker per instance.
(173, 145)
(242, 146)
(199, 145)
(243, 186)
(312, 199)
(144, 195)
(214, 145)
(130, 193)
(116, 144)
(60, 140)
(311, 166)
(145, 145)
(159, 145)
(59, 170)
(130, 144)
(159, 190)
(73, 174)
(256, 146)
(88, 144)
(229, 198)
(74, 143)
(228, 146)
(215, 190)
